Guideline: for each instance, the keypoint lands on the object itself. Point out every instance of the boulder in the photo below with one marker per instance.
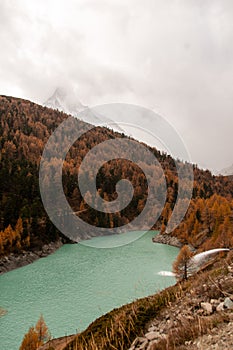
(207, 307)
(152, 335)
(220, 307)
(228, 303)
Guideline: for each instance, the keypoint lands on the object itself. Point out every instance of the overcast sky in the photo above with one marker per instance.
(174, 56)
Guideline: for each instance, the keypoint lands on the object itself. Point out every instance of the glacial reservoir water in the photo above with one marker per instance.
(79, 283)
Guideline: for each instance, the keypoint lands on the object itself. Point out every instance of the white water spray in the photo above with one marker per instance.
(198, 258)
(166, 273)
(196, 261)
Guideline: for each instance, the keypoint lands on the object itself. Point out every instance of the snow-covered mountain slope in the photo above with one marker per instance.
(227, 171)
(67, 101)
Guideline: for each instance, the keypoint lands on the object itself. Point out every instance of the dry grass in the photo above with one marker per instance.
(189, 330)
(117, 329)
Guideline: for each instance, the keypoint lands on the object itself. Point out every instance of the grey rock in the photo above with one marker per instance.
(220, 307)
(167, 239)
(207, 307)
(228, 303)
(152, 335)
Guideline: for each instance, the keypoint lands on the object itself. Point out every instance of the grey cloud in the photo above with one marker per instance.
(175, 57)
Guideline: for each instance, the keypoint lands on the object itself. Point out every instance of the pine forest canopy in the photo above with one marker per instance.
(24, 130)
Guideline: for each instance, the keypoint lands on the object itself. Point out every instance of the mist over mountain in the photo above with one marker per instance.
(66, 100)
(227, 171)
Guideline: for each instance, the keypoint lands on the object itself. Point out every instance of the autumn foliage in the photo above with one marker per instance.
(182, 265)
(12, 240)
(24, 130)
(36, 336)
(208, 223)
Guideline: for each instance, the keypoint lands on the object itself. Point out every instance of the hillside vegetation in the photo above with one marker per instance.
(25, 128)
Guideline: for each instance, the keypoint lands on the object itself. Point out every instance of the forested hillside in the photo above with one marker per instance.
(25, 128)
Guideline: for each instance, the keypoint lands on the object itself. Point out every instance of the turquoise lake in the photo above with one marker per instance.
(79, 283)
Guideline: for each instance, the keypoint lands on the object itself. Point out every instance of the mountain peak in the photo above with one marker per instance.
(60, 92)
(65, 101)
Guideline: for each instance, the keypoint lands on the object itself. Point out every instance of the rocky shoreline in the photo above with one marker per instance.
(164, 238)
(13, 261)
